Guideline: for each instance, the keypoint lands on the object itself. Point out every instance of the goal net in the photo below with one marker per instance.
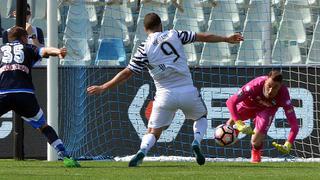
(279, 34)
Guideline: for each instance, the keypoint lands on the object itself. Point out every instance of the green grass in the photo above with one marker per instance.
(35, 169)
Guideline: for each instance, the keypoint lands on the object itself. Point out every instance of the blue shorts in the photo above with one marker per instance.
(25, 105)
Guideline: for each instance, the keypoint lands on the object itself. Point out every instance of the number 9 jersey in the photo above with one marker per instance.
(15, 67)
(163, 55)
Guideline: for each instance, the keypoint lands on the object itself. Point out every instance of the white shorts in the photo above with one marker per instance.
(166, 104)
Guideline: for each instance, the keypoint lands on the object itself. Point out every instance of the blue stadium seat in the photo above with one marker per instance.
(191, 11)
(7, 23)
(227, 10)
(3, 8)
(257, 12)
(111, 52)
(157, 6)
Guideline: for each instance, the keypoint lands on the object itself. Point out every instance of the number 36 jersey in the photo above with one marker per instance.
(15, 67)
(163, 55)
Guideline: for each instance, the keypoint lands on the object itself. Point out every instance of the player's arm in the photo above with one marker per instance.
(121, 77)
(293, 123)
(232, 102)
(51, 51)
(207, 37)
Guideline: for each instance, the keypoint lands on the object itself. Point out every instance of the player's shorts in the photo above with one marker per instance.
(262, 118)
(25, 105)
(166, 105)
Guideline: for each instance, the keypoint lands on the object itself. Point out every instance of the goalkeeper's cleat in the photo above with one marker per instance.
(137, 159)
(197, 153)
(70, 162)
(255, 156)
(284, 149)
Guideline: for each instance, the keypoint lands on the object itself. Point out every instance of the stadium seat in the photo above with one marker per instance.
(298, 10)
(157, 6)
(3, 9)
(191, 11)
(217, 53)
(92, 14)
(114, 28)
(7, 23)
(286, 52)
(140, 34)
(120, 12)
(257, 12)
(111, 52)
(227, 10)
(250, 53)
(78, 52)
(291, 29)
(78, 28)
(189, 49)
(39, 9)
(255, 29)
(314, 51)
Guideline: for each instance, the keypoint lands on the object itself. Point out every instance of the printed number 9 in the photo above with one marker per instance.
(173, 50)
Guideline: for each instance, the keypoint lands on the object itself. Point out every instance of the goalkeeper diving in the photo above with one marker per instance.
(259, 100)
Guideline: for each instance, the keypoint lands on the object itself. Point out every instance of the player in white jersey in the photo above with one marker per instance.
(163, 55)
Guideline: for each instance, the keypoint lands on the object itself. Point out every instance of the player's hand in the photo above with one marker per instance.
(236, 38)
(63, 53)
(245, 129)
(95, 90)
(284, 149)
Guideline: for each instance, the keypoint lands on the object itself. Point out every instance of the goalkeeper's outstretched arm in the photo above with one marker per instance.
(121, 77)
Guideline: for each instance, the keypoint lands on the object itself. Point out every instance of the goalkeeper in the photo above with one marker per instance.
(259, 100)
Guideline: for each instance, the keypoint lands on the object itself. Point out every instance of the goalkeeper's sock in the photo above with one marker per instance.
(147, 143)
(199, 129)
(256, 153)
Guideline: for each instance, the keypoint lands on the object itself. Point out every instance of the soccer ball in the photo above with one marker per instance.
(225, 135)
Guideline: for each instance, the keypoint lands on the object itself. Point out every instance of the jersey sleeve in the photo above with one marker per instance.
(290, 114)
(139, 60)
(241, 95)
(186, 37)
(35, 52)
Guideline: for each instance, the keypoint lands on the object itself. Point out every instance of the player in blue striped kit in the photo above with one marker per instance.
(17, 90)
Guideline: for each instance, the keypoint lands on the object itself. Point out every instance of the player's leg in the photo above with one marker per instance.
(194, 108)
(262, 123)
(162, 114)
(27, 106)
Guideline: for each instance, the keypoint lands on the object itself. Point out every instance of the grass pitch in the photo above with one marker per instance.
(35, 169)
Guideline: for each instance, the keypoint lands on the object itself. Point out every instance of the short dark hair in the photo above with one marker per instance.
(151, 21)
(16, 33)
(275, 76)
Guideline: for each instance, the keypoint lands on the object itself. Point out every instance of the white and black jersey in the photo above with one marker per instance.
(163, 55)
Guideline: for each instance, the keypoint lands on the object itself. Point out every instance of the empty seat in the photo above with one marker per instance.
(191, 11)
(78, 52)
(286, 52)
(157, 6)
(118, 11)
(92, 14)
(298, 10)
(227, 10)
(39, 9)
(250, 53)
(291, 29)
(140, 34)
(314, 51)
(256, 29)
(114, 28)
(111, 52)
(217, 53)
(3, 9)
(189, 49)
(257, 12)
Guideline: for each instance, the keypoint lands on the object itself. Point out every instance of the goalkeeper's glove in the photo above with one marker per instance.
(284, 149)
(245, 129)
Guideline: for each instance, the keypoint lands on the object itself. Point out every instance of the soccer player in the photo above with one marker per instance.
(17, 90)
(259, 100)
(163, 55)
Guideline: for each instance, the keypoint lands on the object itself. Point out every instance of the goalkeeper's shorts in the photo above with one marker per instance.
(167, 103)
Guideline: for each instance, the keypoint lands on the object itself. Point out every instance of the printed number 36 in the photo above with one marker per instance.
(17, 56)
